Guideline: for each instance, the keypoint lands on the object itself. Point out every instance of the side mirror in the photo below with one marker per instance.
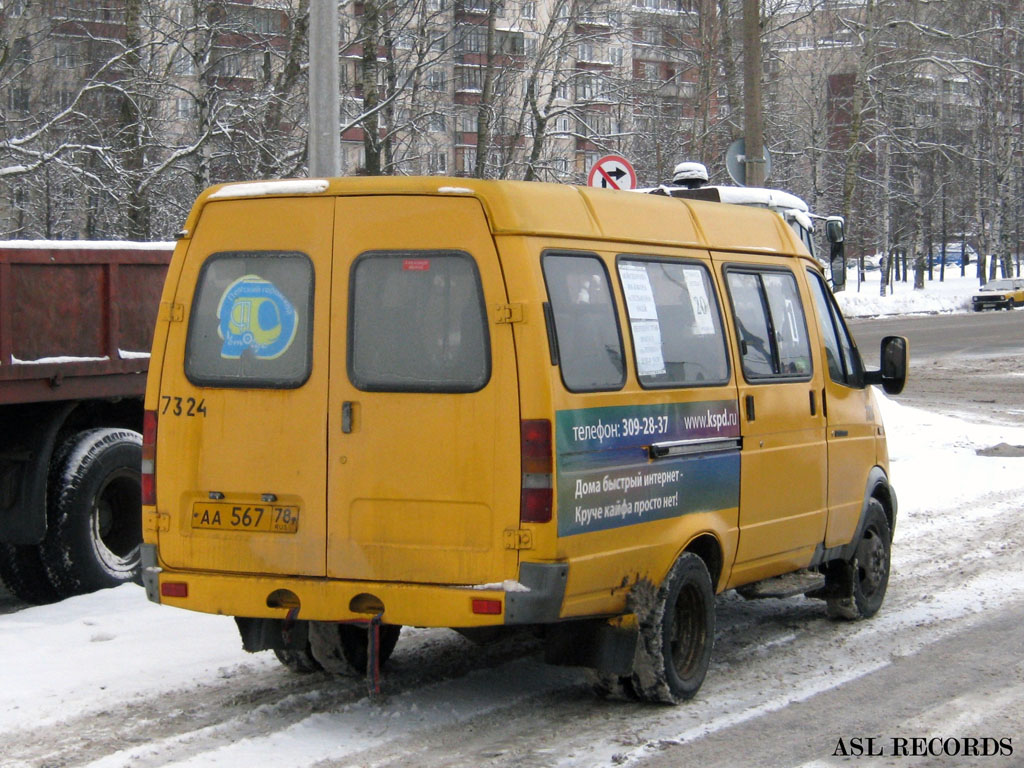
(835, 227)
(892, 376)
(835, 232)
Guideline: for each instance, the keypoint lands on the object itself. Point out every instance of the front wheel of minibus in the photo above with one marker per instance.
(857, 586)
(677, 633)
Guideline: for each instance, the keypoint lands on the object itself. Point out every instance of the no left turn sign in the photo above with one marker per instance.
(612, 172)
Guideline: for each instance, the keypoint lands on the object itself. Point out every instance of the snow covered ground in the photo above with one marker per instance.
(950, 295)
(109, 680)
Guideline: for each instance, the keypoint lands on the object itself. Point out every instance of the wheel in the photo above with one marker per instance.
(342, 648)
(299, 661)
(94, 520)
(23, 573)
(676, 635)
(856, 588)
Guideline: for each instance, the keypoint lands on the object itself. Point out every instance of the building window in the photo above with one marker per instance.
(437, 123)
(17, 99)
(66, 55)
(473, 40)
(436, 81)
(465, 160)
(437, 162)
(22, 51)
(470, 78)
(529, 10)
(183, 63)
(184, 108)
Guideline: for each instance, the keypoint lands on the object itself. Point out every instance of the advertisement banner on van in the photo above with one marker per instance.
(607, 477)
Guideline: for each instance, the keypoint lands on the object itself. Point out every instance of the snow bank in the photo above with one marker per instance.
(950, 295)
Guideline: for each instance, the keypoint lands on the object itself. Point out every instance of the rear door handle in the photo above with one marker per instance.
(346, 417)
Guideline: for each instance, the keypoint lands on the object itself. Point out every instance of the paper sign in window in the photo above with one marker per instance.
(643, 319)
(703, 323)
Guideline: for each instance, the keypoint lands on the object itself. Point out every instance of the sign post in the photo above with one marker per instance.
(612, 172)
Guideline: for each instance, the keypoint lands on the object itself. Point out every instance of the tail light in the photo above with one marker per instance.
(536, 499)
(149, 458)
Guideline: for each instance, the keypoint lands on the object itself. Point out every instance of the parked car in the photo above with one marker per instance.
(999, 294)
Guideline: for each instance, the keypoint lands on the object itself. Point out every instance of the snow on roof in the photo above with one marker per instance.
(263, 188)
(772, 198)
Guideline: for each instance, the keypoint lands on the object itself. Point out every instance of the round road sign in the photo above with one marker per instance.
(612, 172)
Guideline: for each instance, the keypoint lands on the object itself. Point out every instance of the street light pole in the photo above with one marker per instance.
(324, 145)
(753, 126)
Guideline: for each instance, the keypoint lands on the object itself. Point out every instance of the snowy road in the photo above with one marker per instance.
(110, 680)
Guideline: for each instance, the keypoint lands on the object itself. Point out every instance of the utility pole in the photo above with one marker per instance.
(324, 144)
(754, 165)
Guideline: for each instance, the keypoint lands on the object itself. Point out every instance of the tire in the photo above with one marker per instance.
(301, 661)
(23, 573)
(342, 648)
(857, 587)
(676, 635)
(94, 514)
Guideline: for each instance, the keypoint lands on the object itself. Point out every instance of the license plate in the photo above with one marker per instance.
(268, 518)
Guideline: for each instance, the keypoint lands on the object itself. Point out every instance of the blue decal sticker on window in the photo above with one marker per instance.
(254, 315)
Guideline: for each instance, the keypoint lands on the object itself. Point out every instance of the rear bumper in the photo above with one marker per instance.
(536, 598)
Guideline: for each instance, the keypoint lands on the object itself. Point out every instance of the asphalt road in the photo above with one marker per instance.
(970, 365)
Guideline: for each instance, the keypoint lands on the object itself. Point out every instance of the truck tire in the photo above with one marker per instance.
(94, 517)
(342, 648)
(23, 573)
(677, 633)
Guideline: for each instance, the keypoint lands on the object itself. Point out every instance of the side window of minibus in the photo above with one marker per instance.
(844, 364)
(770, 323)
(587, 342)
(675, 323)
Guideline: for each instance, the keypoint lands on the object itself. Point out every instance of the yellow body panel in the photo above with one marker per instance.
(413, 497)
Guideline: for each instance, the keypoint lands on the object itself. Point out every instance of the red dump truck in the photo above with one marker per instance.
(76, 323)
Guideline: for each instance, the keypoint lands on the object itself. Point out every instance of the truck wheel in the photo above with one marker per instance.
(94, 512)
(860, 583)
(23, 573)
(676, 635)
(342, 648)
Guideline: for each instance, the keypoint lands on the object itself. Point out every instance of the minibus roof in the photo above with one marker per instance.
(555, 210)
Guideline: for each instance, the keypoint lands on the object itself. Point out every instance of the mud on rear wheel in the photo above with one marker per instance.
(94, 520)
(677, 632)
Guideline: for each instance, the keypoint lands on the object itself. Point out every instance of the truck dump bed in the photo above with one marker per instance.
(76, 317)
